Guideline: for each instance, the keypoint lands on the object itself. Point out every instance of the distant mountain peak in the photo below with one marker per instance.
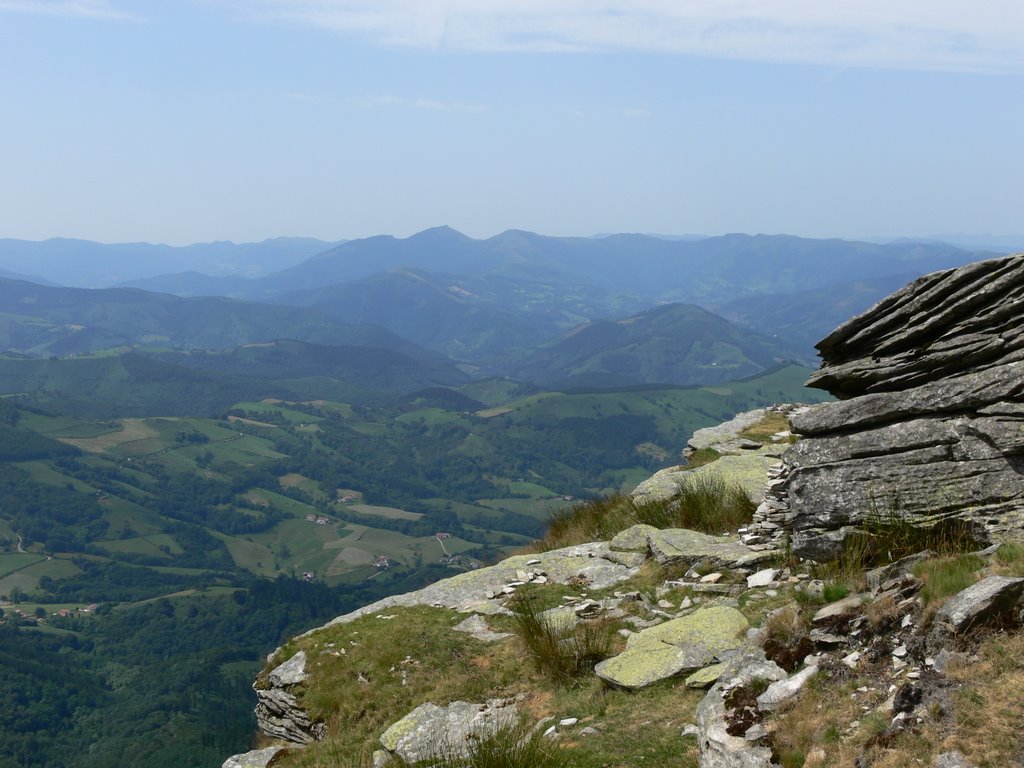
(441, 232)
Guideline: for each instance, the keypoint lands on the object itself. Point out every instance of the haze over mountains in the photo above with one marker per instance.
(569, 311)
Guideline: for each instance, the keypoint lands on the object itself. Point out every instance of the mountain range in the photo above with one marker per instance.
(561, 311)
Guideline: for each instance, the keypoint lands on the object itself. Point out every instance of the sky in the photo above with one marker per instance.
(184, 121)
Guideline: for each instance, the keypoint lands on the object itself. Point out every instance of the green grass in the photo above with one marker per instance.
(705, 503)
(145, 545)
(279, 411)
(388, 513)
(418, 647)
(1010, 558)
(28, 578)
(945, 576)
(15, 561)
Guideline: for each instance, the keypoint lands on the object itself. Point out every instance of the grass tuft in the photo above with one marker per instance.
(563, 653)
(945, 576)
(705, 502)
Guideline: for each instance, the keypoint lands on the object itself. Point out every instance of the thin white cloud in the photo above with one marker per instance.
(964, 35)
(91, 9)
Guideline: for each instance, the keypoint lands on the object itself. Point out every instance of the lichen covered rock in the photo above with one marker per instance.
(679, 646)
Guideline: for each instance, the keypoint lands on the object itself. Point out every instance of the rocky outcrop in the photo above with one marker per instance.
(930, 424)
(739, 460)
(725, 737)
(675, 546)
(483, 590)
(278, 711)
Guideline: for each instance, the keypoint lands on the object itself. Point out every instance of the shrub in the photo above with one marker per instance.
(563, 653)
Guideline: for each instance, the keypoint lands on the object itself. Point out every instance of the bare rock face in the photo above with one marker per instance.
(278, 712)
(930, 422)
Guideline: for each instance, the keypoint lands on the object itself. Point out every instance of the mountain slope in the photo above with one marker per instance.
(806, 317)
(40, 320)
(674, 344)
(437, 312)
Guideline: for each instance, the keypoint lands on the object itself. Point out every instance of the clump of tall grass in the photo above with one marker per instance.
(945, 576)
(588, 520)
(563, 652)
(888, 536)
(705, 502)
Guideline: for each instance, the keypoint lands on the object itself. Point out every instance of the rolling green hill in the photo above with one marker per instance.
(437, 312)
(673, 344)
(39, 320)
(201, 383)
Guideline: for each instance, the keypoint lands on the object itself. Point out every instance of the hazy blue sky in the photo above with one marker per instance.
(187, 120)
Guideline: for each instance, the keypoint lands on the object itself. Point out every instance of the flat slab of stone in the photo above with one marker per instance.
(762, 578)
(632, 539)
(679, 646)
(705, 678)
(257, 758)
(840, 610)
(781, 691)
(710, 437)
(679, 545)
(291, 672)
(429, 730)
(990, 599)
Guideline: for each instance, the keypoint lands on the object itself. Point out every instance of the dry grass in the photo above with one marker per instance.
(764, 430)
(990, 707)
(882, 613)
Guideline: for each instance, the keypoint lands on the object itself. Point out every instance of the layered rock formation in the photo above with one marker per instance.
(930, 422)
